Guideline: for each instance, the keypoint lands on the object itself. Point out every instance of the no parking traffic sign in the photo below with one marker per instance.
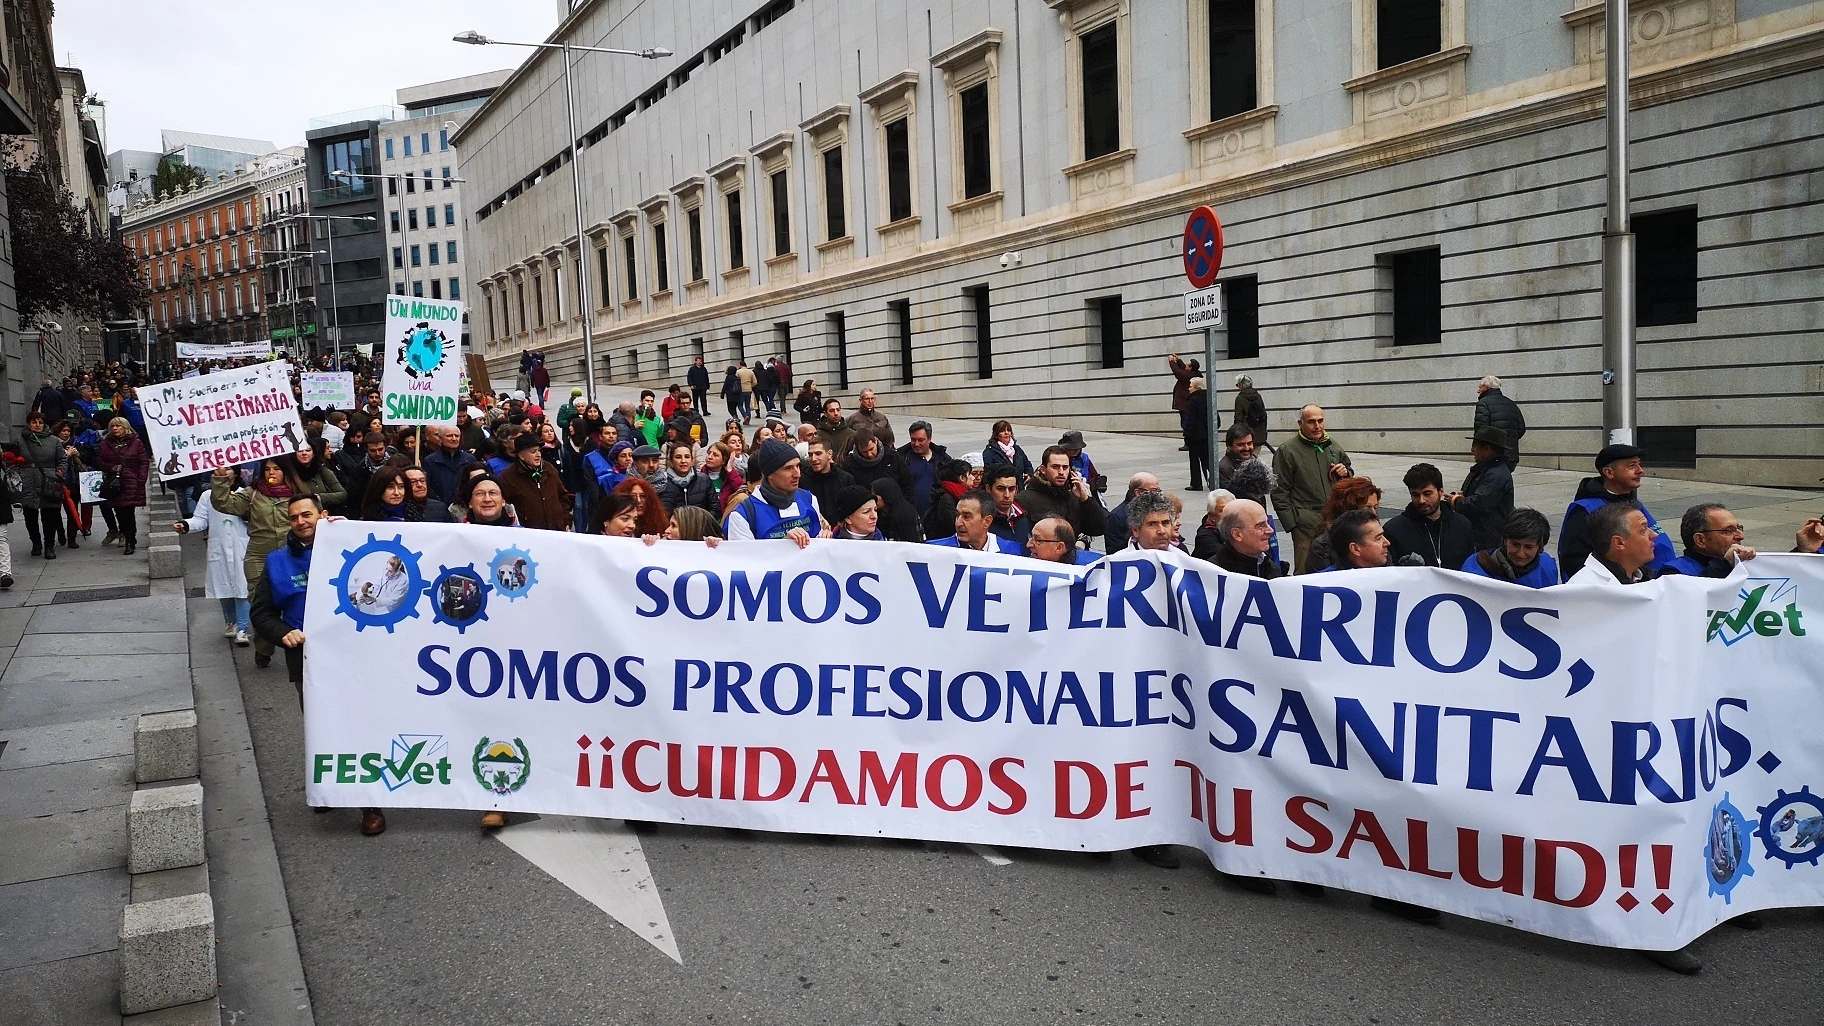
(1202, 248)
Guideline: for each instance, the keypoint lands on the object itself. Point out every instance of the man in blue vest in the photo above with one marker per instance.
(1713, 542)
(778, 508)
(974, 512)
(278, 606)
(1617, 479)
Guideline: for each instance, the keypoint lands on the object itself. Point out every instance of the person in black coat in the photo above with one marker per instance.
(1487, 496)
(952, 484)
(1493, 409)
(869, 461)
(1197, 431)
(698, 379)
(1428, 528)
(51, 403)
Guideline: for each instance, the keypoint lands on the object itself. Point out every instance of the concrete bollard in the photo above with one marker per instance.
(165, 828)
(165, 746)
(166, 560)
(167, 953)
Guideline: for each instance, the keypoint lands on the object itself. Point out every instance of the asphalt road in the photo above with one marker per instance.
(435, 922)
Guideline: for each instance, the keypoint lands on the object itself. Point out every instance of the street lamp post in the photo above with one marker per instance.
(335, 318)
(290, 256)
(584, 301)
(1617, 245)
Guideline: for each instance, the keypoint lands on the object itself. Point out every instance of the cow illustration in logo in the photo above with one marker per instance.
(423, 350)
(501, 767)
(1792, 827)
(1725, 856)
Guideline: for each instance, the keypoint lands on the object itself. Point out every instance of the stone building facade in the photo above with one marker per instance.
(982, 203)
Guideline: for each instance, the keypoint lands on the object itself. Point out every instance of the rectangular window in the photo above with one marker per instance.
(408, 145)
(394, 215)
(984, 334)
(978, 147)
(434, 248)
(449, 214)
(737, 257)
(1665, 267)
(424, 141)
(694, 221)
(399, 288)
(601, 270)
(455, 289)
(737, 341)
(899, 170)
(839, 341)
(901, 310)
(782, 214)
(557, 292)
(392, 185)
(418, 289)
(449, 255)
(1668, 447)
(519, 296)
(411, 183)
(411, 219)
(1241, 301)
(633, 363)
(633, 277)
(398, 258)
(1232, 47)
(835, 213)
(664, 369)
(436, 288)
(1417, 296)
(443, 143)
(1112, 329)
(389, 149)
(430, 217)
(447, 181)
(1101, 92)
(661, 267)
(416, 257)
(1406, 30)
(538, 299)
(782, 337)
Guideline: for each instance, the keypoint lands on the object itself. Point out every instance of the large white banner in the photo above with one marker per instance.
(423, 361)
(1620, 766)
(260, 350)
(223, 419)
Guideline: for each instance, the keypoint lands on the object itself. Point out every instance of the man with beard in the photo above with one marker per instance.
(825, 478)
(870, 460)
(834, 430)
(1428, 528)
(1243, 473)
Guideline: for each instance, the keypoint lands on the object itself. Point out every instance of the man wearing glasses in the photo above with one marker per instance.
(1713, 542)
(1054, 541)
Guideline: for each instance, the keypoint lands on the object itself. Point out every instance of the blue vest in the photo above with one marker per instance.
(1663, 553)
(1544, 573)
(768, 523)
(1685, 565)
(288, 576)
(1005, 546)
(605, 474)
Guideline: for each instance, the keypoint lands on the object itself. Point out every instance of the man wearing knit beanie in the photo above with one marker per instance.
(778, 508)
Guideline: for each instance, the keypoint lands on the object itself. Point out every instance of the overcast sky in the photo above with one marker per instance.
(262, 69)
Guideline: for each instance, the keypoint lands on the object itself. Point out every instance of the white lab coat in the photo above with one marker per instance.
(227, 549)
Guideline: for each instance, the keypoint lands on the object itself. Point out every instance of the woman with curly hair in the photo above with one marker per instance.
(1345, 495)
(652, 518)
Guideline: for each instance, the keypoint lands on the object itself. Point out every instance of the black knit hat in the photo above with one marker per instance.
(769, 458)
(847, 500)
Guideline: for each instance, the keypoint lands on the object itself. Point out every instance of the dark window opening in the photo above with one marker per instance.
(839, 340)
(1406, 30)
(1232, 49)
(834, 209)
(664, 360)
(538, 299)
(633, 364)
(601, 263)
(978, 147)
(628, 256)
(1674, 447)
(737, 256)
(899, 171)
(902, 321)
(984, 334)
(737, 341)
(1417, 297)
(782, 215)
(782, 337)
(1101, 92)
(661, 267)
(1241, 297)
(1112, 330)
(1665, 267)
(695, 221)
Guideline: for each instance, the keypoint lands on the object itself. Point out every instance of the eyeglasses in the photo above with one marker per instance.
(1045, 541)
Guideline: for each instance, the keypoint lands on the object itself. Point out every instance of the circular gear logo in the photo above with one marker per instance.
(514, 572)
(459, 597)
(380, 583)
(1792, 827)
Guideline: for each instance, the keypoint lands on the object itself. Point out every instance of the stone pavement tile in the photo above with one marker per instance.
(170, 883)
(221, 727)
(65, 787)
(119, 616)
(244, 879)
(39, 847)
(40, 703)
(64, 646)
(100, 665)
(83, 739)
(200, 1013)
(261, 980)
(12, 625)
(63, 917)
(231, 792)
(84, 989)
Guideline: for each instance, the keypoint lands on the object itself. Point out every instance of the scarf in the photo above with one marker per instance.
(272, 491)
(393, 514)
(1498, 566)
(681, 480)
(957, 489)
(777, 500)
(1007, 447)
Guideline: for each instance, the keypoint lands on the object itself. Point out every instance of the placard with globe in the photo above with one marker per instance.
(423, 365)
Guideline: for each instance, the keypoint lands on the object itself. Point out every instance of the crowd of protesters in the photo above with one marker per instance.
(654, 467)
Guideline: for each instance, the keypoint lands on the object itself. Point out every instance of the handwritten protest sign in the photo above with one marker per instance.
(328, 390)
(423, 361)
(222, 419)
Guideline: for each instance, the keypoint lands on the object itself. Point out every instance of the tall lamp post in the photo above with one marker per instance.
(584, 301)
(334, 293)
(1617, 245)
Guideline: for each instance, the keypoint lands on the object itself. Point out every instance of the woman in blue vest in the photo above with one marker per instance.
(778, 508)
(1521, 558)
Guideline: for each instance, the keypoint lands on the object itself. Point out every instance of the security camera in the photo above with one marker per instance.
(52, 326)
(1006, 260)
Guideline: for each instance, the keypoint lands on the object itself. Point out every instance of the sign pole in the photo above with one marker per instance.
(1212, 344)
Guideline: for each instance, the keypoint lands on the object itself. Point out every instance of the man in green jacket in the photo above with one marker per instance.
(1303, 471)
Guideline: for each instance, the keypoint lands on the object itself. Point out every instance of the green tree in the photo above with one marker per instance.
(173, 177)
(59, 261)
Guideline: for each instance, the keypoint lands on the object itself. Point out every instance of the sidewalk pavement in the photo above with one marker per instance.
(1771, 515)
(88, 643)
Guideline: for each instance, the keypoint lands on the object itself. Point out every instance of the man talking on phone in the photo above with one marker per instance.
(1057, 490)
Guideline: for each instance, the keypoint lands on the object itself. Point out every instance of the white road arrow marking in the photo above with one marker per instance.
(601, 860)
(994, 857)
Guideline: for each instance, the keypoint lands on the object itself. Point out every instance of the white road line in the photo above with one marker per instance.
(994, 858)
(601, 860)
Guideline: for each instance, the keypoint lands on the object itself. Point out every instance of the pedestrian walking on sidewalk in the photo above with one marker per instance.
(1197, 432)
(227, 578)
(41, 485)
(122, 459)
